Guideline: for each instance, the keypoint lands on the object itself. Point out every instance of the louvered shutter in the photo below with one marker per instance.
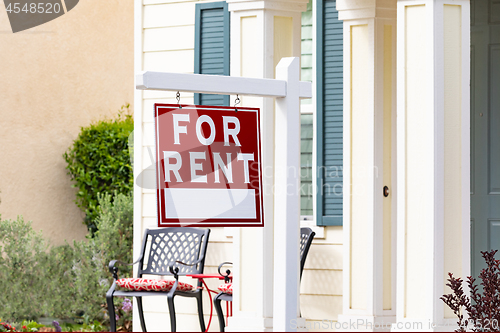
(329, 114)
(211, 52)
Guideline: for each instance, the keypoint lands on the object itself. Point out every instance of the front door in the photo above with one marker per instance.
(485, 130)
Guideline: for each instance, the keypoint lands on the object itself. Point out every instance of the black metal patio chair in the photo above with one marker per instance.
(226, 294)
(166, 252)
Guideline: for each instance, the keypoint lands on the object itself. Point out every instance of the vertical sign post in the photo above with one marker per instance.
(287, 199)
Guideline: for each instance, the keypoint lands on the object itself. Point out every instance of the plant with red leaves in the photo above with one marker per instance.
(5, 327)
(482, 307)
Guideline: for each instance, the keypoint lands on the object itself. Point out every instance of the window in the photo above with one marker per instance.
(211, 51)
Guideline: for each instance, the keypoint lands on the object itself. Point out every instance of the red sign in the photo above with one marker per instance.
(208, 170)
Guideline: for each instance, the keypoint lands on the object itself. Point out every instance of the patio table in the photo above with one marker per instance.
(202, 277)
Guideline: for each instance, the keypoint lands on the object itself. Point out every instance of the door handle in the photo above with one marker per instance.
(386, 191)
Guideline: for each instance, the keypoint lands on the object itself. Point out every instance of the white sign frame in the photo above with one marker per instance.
(178, 202)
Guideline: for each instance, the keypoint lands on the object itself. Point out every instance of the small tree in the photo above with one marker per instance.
(99, 162)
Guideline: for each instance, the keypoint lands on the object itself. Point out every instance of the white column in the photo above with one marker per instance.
(433, 157)
(262, 32)
(369, 163)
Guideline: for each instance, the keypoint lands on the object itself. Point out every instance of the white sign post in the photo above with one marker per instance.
(288, 90)
(287, 199)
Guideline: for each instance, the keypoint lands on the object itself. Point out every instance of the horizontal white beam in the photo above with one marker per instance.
(305, 89)
(217, 84)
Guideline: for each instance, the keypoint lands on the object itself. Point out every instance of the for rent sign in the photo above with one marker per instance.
(209, 166)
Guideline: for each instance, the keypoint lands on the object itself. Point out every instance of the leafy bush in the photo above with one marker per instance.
(22, 259)
(482, 307)
(113, 240)
(6, 327)
(30, 326)
(64, 281)
(99, 162)
(115, 235)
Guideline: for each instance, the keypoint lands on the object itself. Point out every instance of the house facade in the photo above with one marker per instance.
(397, 150)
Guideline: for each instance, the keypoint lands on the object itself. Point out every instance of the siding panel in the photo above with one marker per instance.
(321, 307)
(172, 61)
(321, 282)
(169, 39)
(167, 15)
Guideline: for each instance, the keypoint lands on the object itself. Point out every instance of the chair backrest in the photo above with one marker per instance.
(163, 246)
(306, 238)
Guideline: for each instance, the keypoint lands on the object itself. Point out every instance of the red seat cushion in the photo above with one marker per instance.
(226, 288)
(137, 284)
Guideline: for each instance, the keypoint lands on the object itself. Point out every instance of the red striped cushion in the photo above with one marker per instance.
(136, 284)
(226, 288)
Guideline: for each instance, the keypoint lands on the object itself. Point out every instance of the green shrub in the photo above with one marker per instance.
(64, 281)
(59, 287)
(113, 240)
(23, 256)
(115, 233)
(99, 162)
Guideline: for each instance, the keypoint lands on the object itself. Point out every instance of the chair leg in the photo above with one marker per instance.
(141, 313)
(218, 309)
(171, 310)
(111, 313)
(199, 299)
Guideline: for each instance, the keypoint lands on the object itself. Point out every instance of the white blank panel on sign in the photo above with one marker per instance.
(210, 203)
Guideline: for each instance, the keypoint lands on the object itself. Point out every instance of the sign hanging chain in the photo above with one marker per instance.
(178, 97)
(236, 102)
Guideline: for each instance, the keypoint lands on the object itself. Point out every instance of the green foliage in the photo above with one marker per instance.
(113, 240)
(115, 235)
(6, 327)
(22, 259)
(64, 281)
(95, 326)
(99, 162)
(29, 326)
(60, 284)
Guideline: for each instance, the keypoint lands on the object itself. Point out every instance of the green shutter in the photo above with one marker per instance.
(211, 50)
(329, 114)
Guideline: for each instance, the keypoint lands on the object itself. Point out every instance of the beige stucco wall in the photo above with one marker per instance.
(55, 78)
